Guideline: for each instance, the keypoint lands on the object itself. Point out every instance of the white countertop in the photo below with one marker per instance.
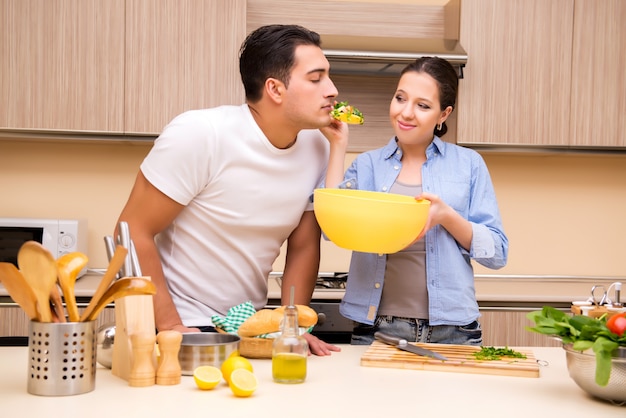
(335, 386)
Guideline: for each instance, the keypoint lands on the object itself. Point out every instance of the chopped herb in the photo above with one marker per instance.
(492, 353)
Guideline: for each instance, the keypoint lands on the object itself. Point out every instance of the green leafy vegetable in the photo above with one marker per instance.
(492, 353)
(583, 332)
(347, 113)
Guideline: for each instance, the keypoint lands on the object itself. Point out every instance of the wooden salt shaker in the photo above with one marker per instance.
(169, 371)
(142, 372)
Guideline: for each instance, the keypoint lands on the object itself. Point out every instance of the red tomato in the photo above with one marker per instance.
(617, 324)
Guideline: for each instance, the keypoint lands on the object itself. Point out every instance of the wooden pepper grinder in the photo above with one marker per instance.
(142, 372)
(169, 371)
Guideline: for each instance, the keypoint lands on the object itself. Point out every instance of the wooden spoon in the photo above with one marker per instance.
(119, 256)
(57, 302)
(19, 290)
(40, 271)
(127, 286)
(68, 266)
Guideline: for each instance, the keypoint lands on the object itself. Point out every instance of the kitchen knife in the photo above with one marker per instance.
(109, 245)
(402, 344)
(134, 260)
(124, 241)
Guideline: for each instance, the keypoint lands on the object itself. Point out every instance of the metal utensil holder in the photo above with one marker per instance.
(61, 358)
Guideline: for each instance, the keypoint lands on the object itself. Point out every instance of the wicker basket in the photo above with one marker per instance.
(254, 347)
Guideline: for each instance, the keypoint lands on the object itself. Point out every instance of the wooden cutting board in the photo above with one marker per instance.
(460, 360)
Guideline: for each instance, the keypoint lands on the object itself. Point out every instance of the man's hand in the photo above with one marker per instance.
(319, 347)
(183, 329)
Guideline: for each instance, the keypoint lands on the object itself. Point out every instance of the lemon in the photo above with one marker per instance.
(234, 363)
(207, 377)
(355, 120)
(351, 118)
(243, 382)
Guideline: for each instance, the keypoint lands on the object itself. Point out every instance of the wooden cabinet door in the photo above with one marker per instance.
(507, 327)
(516, 89)
(180, 55)
(14, 322)
(62, 65)
(598, 83)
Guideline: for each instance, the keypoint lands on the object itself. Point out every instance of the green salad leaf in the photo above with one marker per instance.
(583, 332)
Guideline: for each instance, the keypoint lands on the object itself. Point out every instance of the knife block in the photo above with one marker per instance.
(133, 315)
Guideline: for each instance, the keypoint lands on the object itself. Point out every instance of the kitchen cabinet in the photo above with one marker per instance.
(116, 67)
(348, 20)
(180, 55)
(516, 89)
(62, 65)
(402, 19)
(543, 73)
(598, 62)
(503, 326)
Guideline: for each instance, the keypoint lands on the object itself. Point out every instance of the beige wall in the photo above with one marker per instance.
(563, 213)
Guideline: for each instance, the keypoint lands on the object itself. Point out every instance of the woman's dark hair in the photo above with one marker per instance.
(269, 52)
(447, 81)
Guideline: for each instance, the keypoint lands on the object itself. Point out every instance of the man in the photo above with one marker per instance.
(223, 188)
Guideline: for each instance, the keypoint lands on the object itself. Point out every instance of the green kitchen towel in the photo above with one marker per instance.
(235, 316)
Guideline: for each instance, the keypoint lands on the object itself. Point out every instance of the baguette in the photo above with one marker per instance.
(264, 321)
(307, 317)
(267, 321)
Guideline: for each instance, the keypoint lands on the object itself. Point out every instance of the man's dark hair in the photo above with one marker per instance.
(269, 52)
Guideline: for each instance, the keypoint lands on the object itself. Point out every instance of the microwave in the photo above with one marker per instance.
(59, 236)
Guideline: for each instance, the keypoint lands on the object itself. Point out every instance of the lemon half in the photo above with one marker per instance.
(243, 382)
(207, 377)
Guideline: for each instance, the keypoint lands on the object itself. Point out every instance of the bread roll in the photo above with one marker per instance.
(307, 317)
(267, 321)
(262, 322)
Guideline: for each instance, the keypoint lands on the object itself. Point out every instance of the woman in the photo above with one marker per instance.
(424, 293)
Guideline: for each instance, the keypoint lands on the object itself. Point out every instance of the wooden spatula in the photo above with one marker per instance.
(19, 290)
(68, 266)
(40, 271)
(119, 256)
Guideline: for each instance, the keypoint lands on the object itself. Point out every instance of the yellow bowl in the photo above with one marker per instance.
(370, 222)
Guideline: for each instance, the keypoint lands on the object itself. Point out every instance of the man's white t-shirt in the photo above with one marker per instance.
(243, 197)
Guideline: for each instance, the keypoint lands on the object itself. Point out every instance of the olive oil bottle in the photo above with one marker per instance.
(290, 350)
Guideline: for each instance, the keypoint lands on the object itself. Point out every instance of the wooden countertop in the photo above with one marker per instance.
(489, 289)
(335, 386)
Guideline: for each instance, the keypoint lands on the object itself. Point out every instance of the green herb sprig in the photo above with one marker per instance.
(583, 332)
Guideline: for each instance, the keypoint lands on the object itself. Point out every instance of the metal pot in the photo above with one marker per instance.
(205, 349)
(105, 337)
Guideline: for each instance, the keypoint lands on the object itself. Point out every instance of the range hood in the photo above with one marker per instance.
(388, 58)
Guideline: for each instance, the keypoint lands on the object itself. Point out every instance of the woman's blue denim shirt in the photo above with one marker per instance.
(461, 178)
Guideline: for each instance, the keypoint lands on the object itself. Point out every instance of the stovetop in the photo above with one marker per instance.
(329, 285)
(325, 280)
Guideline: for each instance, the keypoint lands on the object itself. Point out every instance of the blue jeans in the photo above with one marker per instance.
(418, 330)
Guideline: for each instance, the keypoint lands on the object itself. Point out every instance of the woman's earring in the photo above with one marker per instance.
(439, 127)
